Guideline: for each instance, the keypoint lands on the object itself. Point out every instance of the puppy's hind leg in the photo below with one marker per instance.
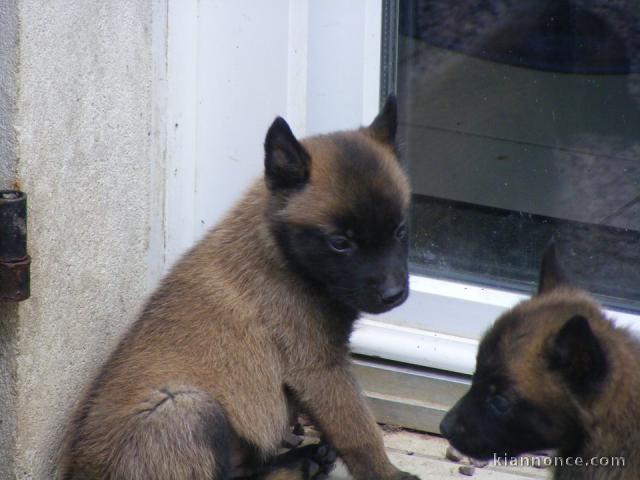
(178, 433)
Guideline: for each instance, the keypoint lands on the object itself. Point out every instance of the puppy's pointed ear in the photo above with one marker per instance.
(384, 126)
(286, 163)
(576, 353)
(551, 273)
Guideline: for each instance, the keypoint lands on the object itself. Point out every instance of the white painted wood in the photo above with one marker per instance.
(449, 307)
(182, 104)
(344, 63)
(441, 323)
(371, 67)
(158, 139)
(298, 66)
(414, 346)
(233, 66)
(242, 86)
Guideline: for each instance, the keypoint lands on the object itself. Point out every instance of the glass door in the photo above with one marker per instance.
(521, 123)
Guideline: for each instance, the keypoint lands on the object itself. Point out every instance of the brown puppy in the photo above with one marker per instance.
(555, 373)
(255, 320)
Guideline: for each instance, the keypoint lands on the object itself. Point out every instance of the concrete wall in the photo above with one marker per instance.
(8, 166)
(8, 90)
(87, 155)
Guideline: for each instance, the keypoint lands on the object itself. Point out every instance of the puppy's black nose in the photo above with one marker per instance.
(392, 295)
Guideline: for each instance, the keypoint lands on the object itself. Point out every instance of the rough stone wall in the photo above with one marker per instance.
(82, 109)
(8, 165)
(8, 91)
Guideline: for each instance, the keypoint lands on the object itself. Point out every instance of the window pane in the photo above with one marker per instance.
(521, 122)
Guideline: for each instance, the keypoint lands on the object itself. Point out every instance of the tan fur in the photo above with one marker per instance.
(612, 417)
(325, 153)
(229, 327)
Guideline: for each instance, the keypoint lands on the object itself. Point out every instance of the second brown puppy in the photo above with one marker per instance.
(554, 373)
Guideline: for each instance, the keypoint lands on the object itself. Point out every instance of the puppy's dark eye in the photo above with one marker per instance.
(499, 404)
(340, 244)
(401, 231)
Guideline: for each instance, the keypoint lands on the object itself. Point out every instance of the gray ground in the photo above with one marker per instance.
(424, 455)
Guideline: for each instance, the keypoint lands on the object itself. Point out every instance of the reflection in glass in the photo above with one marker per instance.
(521, 122)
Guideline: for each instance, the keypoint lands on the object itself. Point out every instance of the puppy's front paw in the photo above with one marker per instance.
(321, 462)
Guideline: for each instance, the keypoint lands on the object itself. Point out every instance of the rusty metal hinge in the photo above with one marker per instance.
(14, 261)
